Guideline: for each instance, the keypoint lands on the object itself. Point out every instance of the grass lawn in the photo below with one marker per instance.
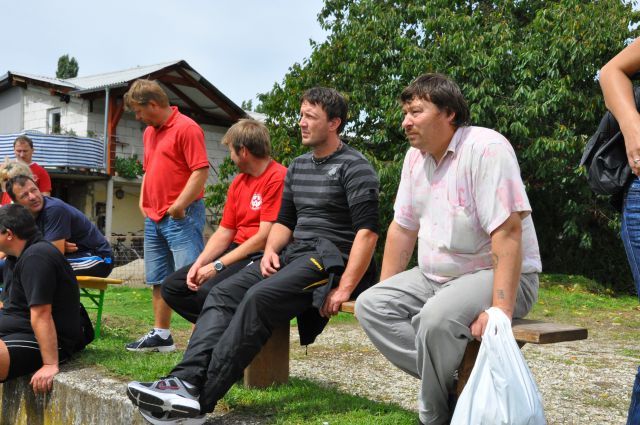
(128, 313)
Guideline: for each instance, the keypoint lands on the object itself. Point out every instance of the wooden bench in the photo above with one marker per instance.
(93, 288)
(271, 365)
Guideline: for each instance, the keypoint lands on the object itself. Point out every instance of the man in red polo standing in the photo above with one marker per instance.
(176, 167)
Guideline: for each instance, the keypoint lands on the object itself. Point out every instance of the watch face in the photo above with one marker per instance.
(218, 266)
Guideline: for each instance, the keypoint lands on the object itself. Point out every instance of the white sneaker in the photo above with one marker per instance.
(165, 418)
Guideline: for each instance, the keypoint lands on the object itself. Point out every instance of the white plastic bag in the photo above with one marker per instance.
(500, 389)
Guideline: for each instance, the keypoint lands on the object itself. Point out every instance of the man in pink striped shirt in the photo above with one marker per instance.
(461, 198)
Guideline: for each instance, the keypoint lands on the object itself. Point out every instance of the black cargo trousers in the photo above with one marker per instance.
(240, 313)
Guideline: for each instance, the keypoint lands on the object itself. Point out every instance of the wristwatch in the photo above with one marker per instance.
(218, 265)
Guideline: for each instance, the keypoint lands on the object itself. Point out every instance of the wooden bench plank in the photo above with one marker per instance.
(348, 307)
(538, 332)
(97, 282)
(524, 331)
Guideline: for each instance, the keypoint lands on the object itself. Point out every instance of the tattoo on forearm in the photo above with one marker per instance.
(494, 258)
(500, 294)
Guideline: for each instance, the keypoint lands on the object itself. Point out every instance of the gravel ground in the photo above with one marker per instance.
(583, 382)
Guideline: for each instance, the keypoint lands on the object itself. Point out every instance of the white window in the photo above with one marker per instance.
(53, 121)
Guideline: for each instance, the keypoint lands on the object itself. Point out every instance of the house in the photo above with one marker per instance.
(68, 120)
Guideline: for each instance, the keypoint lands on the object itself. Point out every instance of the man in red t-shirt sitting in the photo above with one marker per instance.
(253, 202)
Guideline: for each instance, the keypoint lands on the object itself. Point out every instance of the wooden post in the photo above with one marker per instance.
(271, 365)
(469, 359)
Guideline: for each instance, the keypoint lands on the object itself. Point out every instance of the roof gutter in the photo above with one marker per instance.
(100, 88)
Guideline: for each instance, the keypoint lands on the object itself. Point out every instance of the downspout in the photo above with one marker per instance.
(108, 216)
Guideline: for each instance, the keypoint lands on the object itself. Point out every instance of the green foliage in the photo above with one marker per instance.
(527, 68)
(247, 105)
(67, 67)
(129, 168)
(216, 195)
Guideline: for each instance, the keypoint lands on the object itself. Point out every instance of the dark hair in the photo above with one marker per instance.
(251, 134)
(442, 92)
(19, 220)
(20, 180)
(331, 101)
(23, 139)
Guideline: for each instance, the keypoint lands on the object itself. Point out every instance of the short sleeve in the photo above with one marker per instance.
(193, 147)
(498, 187)
(35, 275)
(271, 199)
(43, 180)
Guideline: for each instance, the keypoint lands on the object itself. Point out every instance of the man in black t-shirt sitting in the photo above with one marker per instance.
(41, 323)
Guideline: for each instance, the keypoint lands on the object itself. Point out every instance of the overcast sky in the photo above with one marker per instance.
(242, 47)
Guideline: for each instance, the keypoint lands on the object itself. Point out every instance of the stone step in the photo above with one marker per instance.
(83, 396)
(80, 396)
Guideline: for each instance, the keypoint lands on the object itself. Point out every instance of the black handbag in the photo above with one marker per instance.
(605, 156)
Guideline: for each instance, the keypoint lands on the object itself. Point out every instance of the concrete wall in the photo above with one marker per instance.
(11, 110)
(79, 397)
(126, 214)
(38, 101)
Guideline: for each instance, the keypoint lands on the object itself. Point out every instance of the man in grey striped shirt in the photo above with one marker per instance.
(318, 255)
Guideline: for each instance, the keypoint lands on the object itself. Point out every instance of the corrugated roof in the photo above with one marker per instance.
(50, 80)
(186, 88)
(117, 78)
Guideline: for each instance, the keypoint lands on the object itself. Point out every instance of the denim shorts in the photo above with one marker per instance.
(171, 244)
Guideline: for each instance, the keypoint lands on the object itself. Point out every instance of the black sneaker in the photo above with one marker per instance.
(152, 342)
(166, 418)
(168, 395)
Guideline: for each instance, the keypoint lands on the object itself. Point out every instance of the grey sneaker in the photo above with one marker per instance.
(166, 418)
(152, 342)
(167, 395)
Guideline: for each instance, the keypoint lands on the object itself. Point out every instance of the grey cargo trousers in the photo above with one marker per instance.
(422, 327)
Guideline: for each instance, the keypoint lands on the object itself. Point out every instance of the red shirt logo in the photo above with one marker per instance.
(256, 201)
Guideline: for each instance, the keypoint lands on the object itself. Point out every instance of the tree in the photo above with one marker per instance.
(527, 68)
(67, 67)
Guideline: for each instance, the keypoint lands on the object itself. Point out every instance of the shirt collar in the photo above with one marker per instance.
(456, 140)
(454, 144)
(171, 120)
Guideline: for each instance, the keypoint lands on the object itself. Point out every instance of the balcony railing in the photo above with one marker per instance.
(59, 150)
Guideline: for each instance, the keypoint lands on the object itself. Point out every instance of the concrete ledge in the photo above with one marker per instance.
(83, 396)
(80, 396)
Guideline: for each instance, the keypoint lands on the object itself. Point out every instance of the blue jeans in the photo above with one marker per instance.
(631, 240)
(631, 230)
(634, 408)
(170, 244)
